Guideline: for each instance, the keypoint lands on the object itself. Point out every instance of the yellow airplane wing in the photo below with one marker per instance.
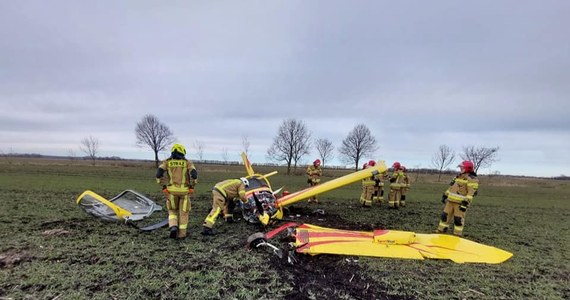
(311, 239)
(247, 164)
(332, 184)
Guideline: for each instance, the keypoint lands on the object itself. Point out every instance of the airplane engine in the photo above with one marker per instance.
(265, 203)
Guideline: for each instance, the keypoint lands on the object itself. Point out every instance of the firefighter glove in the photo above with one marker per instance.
(465, 203)
(443, 198)
(158, 180)
(190, 191)
(462, 207)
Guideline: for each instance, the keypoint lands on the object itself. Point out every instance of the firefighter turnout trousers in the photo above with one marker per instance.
(378, 194)
(367, 192)
(178, 212)
(452, 215)
(312, 182)
(219, 205)
(395, 195)
(403, 192)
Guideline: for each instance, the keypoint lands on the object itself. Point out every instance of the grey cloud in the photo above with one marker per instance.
(216, 70)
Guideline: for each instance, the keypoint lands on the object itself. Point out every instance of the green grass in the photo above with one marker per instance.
(102, 260)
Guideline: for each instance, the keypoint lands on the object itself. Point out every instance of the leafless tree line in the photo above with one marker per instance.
(292, 142)
(480, 156)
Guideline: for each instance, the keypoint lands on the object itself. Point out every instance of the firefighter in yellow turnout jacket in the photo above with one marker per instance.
(405, 187)
(458, 198)
(372, 187)
(223, 194)
(177, 175)
(314, 173)
(378, 195)
(398, 181)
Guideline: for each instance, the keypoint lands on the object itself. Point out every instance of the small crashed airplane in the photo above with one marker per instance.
(263, 206)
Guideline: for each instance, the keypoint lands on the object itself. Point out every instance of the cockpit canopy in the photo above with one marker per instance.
(126, 205)
(256, 182)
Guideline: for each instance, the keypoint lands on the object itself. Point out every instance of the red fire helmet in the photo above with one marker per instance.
(467, 166)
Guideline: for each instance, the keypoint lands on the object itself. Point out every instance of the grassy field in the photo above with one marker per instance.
(50, 248)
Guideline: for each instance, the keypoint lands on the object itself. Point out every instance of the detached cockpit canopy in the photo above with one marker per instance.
(128, 205)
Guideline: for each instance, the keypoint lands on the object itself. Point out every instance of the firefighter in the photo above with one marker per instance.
(458, 198)
(378, 194)
(314, 173)
(368, 187)
(396, 183)
(177, 176)
(405, 187)
(222, 194)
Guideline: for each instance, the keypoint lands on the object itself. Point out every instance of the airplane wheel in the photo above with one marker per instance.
(255, 239)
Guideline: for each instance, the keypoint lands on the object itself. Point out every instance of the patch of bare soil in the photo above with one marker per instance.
(324, 276)
(55, 232)
(319, 217)
(13, 257)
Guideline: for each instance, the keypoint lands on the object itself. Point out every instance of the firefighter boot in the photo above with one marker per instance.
(173, 232)
(207, 231)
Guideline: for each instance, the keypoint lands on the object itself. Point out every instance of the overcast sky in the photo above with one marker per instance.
(419, 74)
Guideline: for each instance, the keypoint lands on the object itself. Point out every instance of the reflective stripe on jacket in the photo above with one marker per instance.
(231, 188)
(464, 186)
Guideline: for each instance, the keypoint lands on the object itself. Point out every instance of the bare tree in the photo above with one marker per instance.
(480, 156)
(442, 159)
(71, 154)
(417, 169)
(90, 146)
(291, 143)
(225, 155)
(245, 143)
(325, 149)
(358, 144)
(199, 145)
(153, 134)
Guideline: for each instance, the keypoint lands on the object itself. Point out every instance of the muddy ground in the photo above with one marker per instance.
(323, 276)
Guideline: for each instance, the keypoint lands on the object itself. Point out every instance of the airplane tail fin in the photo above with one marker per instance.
(247, 164)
